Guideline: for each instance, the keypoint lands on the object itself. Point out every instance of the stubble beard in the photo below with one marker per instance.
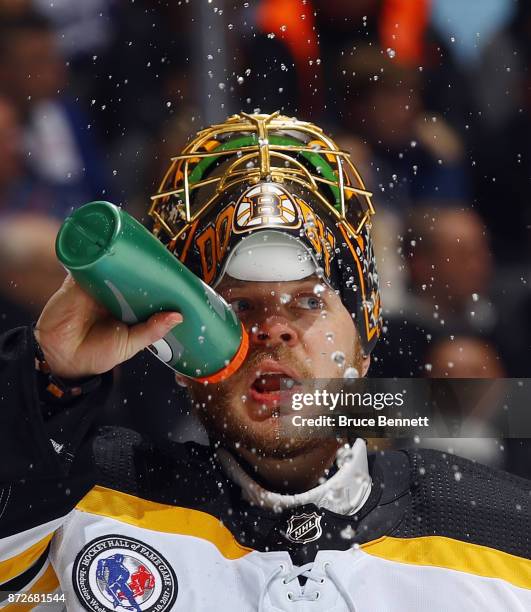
(223, 416)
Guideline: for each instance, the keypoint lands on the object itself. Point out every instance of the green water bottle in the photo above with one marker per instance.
(124, 267)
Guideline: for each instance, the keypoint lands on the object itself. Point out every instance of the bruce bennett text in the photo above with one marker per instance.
(344, 421)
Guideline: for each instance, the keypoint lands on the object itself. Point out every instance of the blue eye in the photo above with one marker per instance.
(308, 302)
(240, 305)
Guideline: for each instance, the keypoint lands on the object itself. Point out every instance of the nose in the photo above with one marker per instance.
(273, 332)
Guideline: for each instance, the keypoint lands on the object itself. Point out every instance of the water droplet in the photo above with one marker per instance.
(334, 494)
(347, 533)
(390, 52)
(351, 373)
(338, 357)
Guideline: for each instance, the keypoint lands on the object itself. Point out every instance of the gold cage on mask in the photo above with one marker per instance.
(251, 148)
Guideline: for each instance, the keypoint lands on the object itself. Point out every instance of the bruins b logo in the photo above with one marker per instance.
(266, 205)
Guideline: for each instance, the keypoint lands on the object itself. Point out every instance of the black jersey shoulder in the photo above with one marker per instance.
(415, 493)
(177, 474)
(464, 500)
(115, 451)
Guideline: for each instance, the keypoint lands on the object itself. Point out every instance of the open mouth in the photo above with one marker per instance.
(271, 381)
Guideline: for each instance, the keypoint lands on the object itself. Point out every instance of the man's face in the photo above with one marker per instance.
(456, 261)
(298, 330)
(10, 144)
(34, 67)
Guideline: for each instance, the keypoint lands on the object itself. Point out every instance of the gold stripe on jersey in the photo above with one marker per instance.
(162, 517)
(447, 553)
(14, 566)
(47, 583)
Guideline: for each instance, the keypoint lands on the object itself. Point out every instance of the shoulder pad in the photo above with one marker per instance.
(114, 450)
(458, 498)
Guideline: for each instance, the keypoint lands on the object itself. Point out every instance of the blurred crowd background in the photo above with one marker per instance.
(431, 97)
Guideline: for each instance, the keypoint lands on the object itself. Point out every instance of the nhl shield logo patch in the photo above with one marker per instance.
(120, 573)
(304, 528)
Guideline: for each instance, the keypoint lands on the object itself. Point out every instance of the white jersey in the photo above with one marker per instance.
(120, 551)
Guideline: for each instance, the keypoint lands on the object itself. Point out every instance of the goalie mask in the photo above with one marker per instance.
(269, 198)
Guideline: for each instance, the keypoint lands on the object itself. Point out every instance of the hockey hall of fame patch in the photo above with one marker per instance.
(117, 572)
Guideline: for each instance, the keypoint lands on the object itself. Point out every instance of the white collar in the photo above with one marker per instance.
(344, 493)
